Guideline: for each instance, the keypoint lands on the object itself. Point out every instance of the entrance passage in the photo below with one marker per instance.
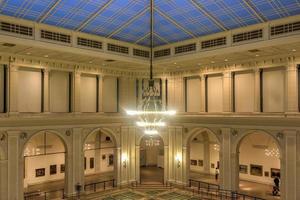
(151, 160)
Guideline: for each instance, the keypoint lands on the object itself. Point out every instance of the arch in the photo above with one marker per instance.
(106, 131)
(140, 137)
(194, 132)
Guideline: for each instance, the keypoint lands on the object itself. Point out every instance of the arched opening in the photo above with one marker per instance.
(100, 162)
(44, 165)
(151, 160)
(259, 164)
(203, 161)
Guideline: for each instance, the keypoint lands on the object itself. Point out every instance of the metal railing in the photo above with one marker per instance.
(44, 195)
(210, 191)
(99, 186)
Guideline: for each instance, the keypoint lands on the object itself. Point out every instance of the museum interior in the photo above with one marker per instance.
(150, 99)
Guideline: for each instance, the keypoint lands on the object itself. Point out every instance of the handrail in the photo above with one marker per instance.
(100, 182)
(213, 190)
(44, 194)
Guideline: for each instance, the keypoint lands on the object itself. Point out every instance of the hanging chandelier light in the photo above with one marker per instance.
(151, 111)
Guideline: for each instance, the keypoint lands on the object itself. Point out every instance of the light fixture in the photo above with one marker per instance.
(150, 111)
(256, 55)
(294, 50)
(152, 142)
(46, 56)
(124, 160)
(178, 160)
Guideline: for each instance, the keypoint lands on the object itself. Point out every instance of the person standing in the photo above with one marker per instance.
(217, 173)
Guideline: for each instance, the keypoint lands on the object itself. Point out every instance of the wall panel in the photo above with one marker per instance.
(215, 93)
(273, 82)
(244, 91)
(110, 94)
(127, 94)
(29, 90)
(2, 85)
(88, 93)
(59, 91)
(193, 95)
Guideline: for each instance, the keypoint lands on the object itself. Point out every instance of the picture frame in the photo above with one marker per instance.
(256, 170)
(275, 172)
(212, 165)
(62, 168)
(200, 163)
(53, 169)
(103, 156)
(193, 162)
(110, 160)
(39, 172)
(92, 164)
(267, 174)
(243, 169)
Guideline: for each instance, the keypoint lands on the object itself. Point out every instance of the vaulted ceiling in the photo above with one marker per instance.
(128, 20)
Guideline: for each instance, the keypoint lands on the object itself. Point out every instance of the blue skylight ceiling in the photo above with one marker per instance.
(128, 20)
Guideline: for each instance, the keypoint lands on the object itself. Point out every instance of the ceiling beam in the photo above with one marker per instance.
(254, 11)
(43, 17)
(161, 38)
(207, 14)
(142, 38)
(93, 16)
(128, 22)
(175, 23)
(155, 34)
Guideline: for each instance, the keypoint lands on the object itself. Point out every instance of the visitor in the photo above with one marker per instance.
(217, 173)
(276, 187)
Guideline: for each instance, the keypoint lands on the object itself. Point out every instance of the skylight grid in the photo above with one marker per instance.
(231, 13)
(137, 29)
(188, 16)
(115, 16)
(157, 41)
(27, 9)
(70, 14)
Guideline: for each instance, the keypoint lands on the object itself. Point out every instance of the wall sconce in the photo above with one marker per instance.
(178, 160)
(124, 160)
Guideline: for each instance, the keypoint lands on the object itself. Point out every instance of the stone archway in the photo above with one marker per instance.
(44, 161)
(253, 175)
(210, 155)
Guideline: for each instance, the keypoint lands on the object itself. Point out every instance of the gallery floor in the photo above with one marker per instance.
(154, 175)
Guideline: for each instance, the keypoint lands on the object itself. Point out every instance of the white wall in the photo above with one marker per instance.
(215, 93)
(273, 90)
(244, 91)
(1, 88)
(110, 94)
(29, 90)
(59, 91)
(104, 167)
(176, 94)
(127, 94)
(88, 93)
(193, 97)
(253, 155)
(43, 161)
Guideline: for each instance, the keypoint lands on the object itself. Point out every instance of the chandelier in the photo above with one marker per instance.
(152, 142)
(151, 113)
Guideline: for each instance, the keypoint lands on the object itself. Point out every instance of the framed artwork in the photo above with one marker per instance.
(84, 163)
(107, 138)
(243, 169)
(92, 163)
(193, 162)
(256, 170)
(110, 159)
(267, 174)
(53, 169)
(212, 165)
(103, 157)
(275, 172)
(200, 163)
(62, 168)
(39, 172)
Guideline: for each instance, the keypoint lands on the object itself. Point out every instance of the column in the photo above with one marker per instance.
(100, 93)
(257, 88)
(206, 156)
(166, 164)
(3, 179)
(46, 105)
(98, 158)
(74, 164)
(292, 87)
(137, 165)
(289, 166)
(140, 91)
(117, 165)
(164, 93)
(13, 89)
(185, 174)
(227, 92)
(76, 100)
(203, 93)
(15, 166)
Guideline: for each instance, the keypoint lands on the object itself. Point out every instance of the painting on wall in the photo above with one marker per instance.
(39, 172)
(256, 170)
(275, 172)
(103, 157)
(200, 163)
(92, 163)
(193, 162)
(267, 174)
(53, 169)
(62, 168)
(212, 165)
(110, 159)
(244, 169)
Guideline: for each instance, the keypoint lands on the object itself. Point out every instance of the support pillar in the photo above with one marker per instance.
(3, 179)
(292, 87)
(46, 105)
(203, 93)
(13, 89)
(100, 93)
(257, 92)
(164, 93)
(76, 101)
(227, 92)
(15, 166)
(206, 158)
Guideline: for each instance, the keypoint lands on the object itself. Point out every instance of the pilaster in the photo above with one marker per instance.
(100, 93)
(203, 93)
(292, 87)
(76, 100)
(227, 92)
(46, 105)
(257, 92)
(13, 89)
